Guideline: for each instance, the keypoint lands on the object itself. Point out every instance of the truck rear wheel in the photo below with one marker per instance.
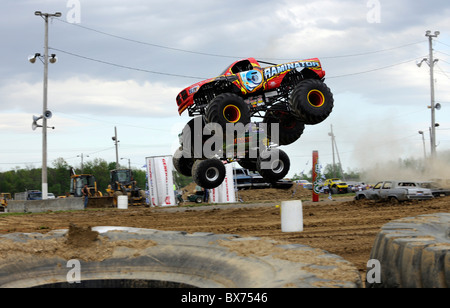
(192, 138)
(273, 164)
(182, 164)
(227, 108)
(312, 101)
(290, 128)
(208, 173)
(247, 163)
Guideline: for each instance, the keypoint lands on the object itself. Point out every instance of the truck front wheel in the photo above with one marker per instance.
(312, 101)
(208, 173)
(227, 108)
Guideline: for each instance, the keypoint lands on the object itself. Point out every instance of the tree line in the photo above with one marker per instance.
(58, 177)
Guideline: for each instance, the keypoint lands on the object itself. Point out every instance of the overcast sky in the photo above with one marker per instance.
(122, 63)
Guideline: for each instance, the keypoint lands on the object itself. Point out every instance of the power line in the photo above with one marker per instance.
(371, 52)
(229, 56)
(124, 66)
(442, 43)
(202, 78)
(369, 71)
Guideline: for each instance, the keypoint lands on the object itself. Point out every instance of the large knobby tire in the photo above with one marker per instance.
(273, 164)
(413, 252)
(208, 173)
(227, 108)
(290, 128)
(192, 138)
(133, 257)
(182, 164)
(312, 101)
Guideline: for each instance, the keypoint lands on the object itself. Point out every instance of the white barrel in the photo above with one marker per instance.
(122, 202)
(291, 216)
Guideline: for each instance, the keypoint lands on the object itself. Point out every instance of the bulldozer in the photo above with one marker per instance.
(123, 184)
(96, 198)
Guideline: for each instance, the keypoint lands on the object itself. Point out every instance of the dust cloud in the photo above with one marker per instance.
(389, 152)
(437, 169)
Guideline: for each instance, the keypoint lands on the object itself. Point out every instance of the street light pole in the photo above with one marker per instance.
(129, 163)
(423, 141)
(45, 16)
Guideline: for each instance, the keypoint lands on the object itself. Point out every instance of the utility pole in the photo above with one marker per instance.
(332, 149)
(45, 16)
(82, 163)
(116, 144)
(431, 61)
(433, 119)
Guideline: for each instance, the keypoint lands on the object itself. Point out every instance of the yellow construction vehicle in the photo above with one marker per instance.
(122, 183)
(96, 198)
(4, 198)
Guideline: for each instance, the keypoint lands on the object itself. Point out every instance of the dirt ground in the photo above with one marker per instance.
(340, 226)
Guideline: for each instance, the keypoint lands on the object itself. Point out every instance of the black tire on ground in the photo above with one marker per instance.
(208, 173)
(182, 165)
(290, 128)
(227, 108)
(312, 101)
(413, 252)
(273, 164)
(133, 257)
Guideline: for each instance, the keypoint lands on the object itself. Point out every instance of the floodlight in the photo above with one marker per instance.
(32, 59)
(53, 58)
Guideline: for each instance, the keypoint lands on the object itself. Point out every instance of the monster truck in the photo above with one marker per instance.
(291, 95)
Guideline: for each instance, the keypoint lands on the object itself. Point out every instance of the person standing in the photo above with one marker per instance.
(85, 192)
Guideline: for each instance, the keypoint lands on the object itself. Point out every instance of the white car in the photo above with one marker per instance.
(395, 191)
(303, 183)
(51, 196)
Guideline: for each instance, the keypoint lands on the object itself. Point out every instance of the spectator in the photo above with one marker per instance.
(85, 192)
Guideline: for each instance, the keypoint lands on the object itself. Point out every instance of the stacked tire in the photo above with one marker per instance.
(413, 252)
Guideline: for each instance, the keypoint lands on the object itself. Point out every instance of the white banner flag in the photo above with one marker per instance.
(160, 181)
(225, 192)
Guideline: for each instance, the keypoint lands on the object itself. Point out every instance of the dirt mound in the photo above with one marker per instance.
(296, 192)
(81, 236)
(345, 228)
